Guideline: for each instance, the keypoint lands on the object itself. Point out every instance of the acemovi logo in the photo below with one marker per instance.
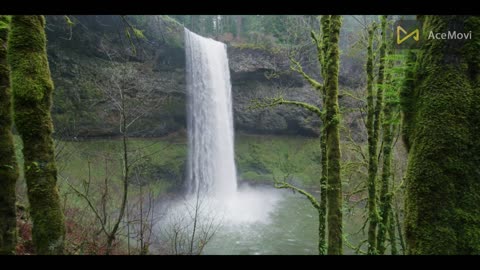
(415, 35)
(407, 33)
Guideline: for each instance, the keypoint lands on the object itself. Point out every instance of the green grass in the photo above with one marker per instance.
(160, 163)
(261, 158)
(157, 163)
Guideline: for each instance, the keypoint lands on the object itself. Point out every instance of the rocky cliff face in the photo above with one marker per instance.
(93, 58)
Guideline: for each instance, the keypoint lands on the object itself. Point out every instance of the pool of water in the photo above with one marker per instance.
(291, 229)
(258, 221)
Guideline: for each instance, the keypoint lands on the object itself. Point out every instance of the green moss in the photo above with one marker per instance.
(8, 163)
(442, 214)
(32, 92)
(5, 24)
(31, 84)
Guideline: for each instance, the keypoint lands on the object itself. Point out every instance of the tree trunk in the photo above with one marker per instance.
(442, 113)
(387, 128)
(391, 234)
(126, 172)
(238, 34)
(399, 228)
(32, 92)
(372, 145)
(334, 193)
(385, 195)
(194, 23)
(8, 162)
(322, 211)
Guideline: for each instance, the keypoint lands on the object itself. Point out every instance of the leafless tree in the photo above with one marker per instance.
(128, 99)
(188, 233)
(188, 229)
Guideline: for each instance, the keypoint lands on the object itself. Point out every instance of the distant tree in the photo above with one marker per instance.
(374, 122)
(8, 162)
(372, 145)
(394, 74)
(390, 120)
(238, 22)
(32, 94)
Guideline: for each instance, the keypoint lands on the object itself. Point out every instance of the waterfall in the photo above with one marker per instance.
(212, 201)
(211, 165)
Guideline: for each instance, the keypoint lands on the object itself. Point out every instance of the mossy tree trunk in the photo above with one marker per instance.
(330, 205)
(322, 52)
(391, 234)
(32, 92)
(471, 239)
(8, 162)
(388, 127)
(334, 183)
(372, 157)
(385, 195)
(322, 211)
(328, 58)
(441, 116)
(373, 129)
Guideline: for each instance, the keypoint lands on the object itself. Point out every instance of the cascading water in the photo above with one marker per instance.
(212, 195)
(211, 165)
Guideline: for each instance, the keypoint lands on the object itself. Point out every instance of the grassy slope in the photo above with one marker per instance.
(261, 158)
(258, 159)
